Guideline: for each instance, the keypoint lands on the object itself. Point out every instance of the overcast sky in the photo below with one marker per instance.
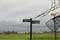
(14, 11)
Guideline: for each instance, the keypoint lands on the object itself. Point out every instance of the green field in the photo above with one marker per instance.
(41, 36)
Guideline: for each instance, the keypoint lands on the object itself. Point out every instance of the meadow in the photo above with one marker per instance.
(38, 36)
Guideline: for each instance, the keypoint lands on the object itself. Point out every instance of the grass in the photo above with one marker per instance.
(41, 36)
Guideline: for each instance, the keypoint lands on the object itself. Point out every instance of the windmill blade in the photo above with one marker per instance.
(48, 11)
(45, 13)
(51, 23)
(58, 25)
(57, 6)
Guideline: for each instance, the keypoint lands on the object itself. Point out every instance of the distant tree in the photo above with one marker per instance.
(8, 32)
(13, 32)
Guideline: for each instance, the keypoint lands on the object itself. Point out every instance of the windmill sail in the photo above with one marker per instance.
(50, 23)
(48, 11)
(45, 13)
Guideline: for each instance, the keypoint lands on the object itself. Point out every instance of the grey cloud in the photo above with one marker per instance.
(13, 11)
(24, 27)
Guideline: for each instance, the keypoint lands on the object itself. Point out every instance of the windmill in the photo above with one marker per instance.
(53, 7)
(54, 23)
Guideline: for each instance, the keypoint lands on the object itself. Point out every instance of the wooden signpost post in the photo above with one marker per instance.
(31, 22)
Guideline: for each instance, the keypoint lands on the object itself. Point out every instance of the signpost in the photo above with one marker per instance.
(31, 22)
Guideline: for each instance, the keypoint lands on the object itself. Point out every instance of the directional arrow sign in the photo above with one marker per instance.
(26, 20)
(35, 22)
(31, 22)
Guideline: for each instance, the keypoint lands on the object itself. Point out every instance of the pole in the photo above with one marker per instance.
(55, 34)
(54, 29)
(30, 28)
